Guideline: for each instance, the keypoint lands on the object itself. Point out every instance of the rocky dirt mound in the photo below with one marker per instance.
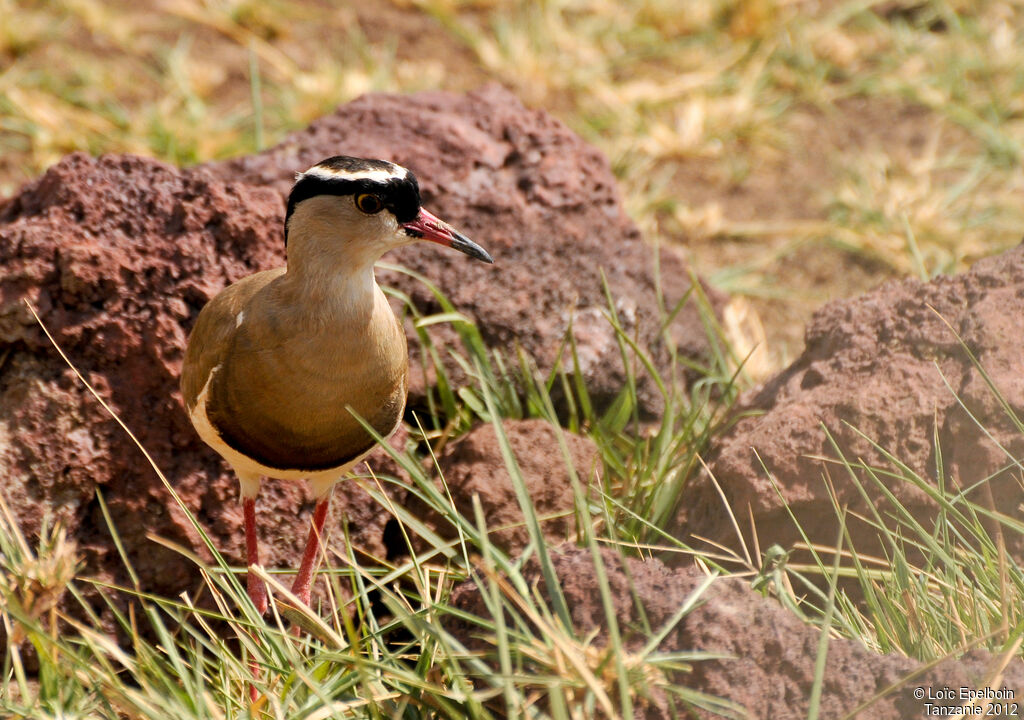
(768, 668)
(885, 367)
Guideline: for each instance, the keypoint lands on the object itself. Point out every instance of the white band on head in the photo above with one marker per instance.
(381, 176)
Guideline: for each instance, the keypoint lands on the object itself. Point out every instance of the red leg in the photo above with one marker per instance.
(257, 589)
(304, 579)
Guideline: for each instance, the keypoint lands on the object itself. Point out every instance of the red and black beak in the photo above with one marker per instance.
(427, 226)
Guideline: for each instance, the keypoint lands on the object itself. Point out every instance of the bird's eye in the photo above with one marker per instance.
(369, 204)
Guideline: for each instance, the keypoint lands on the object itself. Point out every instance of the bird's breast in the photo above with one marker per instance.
(291, 397)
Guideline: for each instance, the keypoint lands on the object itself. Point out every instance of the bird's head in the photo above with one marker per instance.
(350, 211)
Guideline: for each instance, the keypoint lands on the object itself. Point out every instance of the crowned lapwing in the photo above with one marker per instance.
(282, 364)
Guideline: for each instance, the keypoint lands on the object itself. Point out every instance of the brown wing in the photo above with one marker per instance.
(211, 336)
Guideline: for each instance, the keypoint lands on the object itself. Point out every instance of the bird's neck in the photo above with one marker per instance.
(332, 295)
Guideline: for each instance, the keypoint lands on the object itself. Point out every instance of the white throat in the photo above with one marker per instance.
(338, 296)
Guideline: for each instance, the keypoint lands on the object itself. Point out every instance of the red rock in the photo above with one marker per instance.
(883, 367)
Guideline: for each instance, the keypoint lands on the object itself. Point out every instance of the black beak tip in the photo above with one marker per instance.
(464, 245)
